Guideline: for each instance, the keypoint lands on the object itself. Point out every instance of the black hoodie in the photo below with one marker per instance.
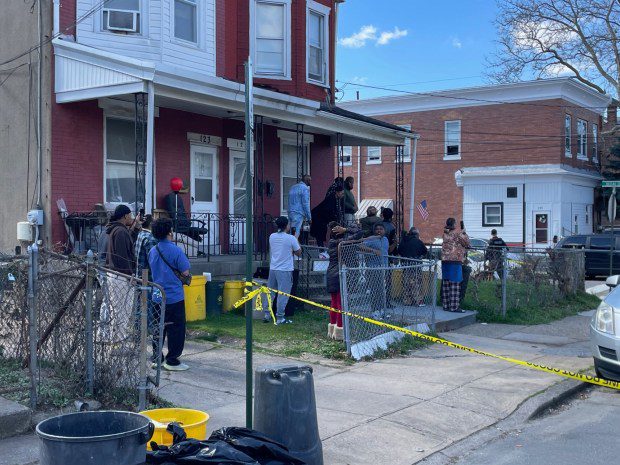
(412, 247)
(120, 254)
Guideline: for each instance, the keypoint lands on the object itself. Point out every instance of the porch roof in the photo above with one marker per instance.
(87, 73)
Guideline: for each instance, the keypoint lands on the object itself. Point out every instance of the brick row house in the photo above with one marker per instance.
(521, 158)
(165, 79)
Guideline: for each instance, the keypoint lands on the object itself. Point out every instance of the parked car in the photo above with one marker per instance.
(605, 334)
(597, 251)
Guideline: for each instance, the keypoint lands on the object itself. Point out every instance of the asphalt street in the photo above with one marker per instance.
(586, 430)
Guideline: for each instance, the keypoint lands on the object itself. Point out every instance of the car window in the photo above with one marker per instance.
(600, 242)
(574, 242)
(477, 243)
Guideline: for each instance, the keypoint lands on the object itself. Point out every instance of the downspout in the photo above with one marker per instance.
(56, 29)
(359, 173)
(39, 109)
(524, 217)
(149, 201)
(414, 156)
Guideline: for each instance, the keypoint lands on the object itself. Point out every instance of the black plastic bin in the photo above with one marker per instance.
(285, 410)
(94, 438)
(215, 297)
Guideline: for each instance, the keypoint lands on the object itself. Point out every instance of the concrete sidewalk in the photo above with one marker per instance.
(400, 410)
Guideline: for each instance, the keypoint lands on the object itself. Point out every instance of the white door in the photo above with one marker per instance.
(204, 193)
(237, 201)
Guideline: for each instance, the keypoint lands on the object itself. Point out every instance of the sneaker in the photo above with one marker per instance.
(267, 320)
(324, 255)
(284, 321)
(179, 367)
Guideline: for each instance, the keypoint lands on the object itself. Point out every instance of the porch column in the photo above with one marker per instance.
(149, 198)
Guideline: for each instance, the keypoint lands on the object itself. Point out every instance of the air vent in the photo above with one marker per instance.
(608, 353)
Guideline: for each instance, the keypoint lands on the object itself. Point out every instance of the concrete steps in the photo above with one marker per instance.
(14, 418)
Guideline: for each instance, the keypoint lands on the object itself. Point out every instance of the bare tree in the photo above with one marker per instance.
(559, 37)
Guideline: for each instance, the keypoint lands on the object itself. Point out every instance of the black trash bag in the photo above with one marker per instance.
(256, 445)
(194, 452)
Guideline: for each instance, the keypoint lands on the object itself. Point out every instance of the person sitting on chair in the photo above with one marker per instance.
(181, 222)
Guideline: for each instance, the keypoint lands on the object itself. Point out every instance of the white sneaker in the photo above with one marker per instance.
(179, 367)
(324, 255)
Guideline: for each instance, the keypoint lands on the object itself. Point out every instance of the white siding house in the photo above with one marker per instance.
(527, 204)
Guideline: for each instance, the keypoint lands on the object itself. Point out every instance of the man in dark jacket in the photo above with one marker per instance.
(122, 233)
(411, 246)
(494, 253)
(369, 221)
(350, 205)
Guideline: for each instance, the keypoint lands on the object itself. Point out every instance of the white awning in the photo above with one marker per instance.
(379, 204)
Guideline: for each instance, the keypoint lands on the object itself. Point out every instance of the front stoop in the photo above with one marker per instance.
(14, 418)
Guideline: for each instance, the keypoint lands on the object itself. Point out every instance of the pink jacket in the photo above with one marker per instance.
(454, 246)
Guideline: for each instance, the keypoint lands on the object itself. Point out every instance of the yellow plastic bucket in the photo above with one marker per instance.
(195, 299)
(233, 291)
(397, 283)
(194, 422)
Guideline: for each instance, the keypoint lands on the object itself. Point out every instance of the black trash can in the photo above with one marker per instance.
(94, 438)
(285, 410)
(215, 297)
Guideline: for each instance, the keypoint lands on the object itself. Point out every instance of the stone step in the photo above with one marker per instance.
(14, 418)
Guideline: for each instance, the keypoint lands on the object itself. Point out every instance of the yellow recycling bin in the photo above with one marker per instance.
(233, 291)
(195, 299)
(194, 422)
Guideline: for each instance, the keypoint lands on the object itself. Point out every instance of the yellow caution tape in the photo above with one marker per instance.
(437, 340)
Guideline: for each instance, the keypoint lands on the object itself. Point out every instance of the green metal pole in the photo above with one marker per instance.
(249, 241)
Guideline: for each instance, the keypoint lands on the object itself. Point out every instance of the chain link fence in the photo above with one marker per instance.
(70, 329)
(395, 290)
(312, 267)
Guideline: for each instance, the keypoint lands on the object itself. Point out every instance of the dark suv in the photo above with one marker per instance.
(597, 250)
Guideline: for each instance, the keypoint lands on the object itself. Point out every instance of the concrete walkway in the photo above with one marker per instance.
(400, 410)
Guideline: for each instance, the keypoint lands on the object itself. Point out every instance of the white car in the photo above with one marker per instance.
(605, 333)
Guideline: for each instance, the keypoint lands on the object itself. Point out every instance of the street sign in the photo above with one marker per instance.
(611, 183)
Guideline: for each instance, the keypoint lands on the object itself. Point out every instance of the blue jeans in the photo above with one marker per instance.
(282, 281)
(296, 220)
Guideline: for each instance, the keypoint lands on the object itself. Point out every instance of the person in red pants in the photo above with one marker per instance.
(338, 234)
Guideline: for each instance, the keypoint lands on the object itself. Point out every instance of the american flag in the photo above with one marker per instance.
(422, 209)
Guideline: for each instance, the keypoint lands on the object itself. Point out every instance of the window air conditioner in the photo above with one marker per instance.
(121, 20)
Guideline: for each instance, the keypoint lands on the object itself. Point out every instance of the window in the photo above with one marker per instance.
(453, 139)
(573, 242)
(347, 152)
(493, 214)
(272, 37)
(407, 146)
(122, 16)
(317, 34)
(600, 242)
(594, 142)
(582, 139)
(567, 136)
(541, 231)
(511, 192)
(185, 20)
(120, 160)
(374, 155)
(289, 170)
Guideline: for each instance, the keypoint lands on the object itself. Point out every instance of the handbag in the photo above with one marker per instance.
(185, 280)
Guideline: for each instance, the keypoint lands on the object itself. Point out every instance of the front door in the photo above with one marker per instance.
(541, 228)
(204, 193)
(237, 201)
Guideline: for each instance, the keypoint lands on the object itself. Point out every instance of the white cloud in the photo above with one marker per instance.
(456, 42)
(359, 80)
(386, 36)
(359, 39)
(369, 34)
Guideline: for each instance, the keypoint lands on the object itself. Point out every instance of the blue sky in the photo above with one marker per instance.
(392, 42)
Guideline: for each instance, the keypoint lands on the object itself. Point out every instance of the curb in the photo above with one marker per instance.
(529, 409)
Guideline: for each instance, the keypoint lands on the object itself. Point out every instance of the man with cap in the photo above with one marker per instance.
(122, 233)
(412, 247)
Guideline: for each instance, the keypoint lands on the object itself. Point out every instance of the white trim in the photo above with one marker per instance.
(567, 89)
(235, 144)
(374, 161)
(287, 40)
(112, 106)
(488, 224)
(595, 142)
(408, 143)
(142, 11)
(582, 140)
(291, 137)
(350, 162)
(568, 153)
(215, 187)
(232, 153)
(324, 11)
(204, 139)
(199, 20)
(287, 141)
(527, 170)
(445, 145)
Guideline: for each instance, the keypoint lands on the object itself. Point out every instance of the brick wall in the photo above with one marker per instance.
(491, 135)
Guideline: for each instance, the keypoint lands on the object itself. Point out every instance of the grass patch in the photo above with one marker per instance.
(402, 347)
(524, 306)
(307, 335)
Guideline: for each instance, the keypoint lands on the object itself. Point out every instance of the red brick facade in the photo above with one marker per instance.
(491, 135)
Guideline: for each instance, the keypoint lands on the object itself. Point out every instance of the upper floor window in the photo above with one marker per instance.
(121, 16)
(374, 155)
(317, 33)
(452, 139)
(272, 38)
(582, 139)
(185, 20)
(347, 152)
(567, 136)
(407, 146)
(594, 142)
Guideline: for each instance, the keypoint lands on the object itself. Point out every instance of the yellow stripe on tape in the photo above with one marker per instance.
(438, 340)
